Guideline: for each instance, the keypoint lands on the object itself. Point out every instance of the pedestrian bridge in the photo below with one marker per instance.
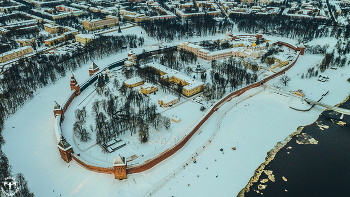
(337, 109)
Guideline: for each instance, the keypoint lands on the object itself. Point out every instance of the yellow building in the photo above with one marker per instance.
(237, 50)
(148, 88)
(54, 41)
(26, 42)
(15, 53)
(278, 63)
(298, 92)
(190, 86)
(168, 101)
(52, 29)
(100, 24)
(84, 38)
(175, 119)
(69, 33)
(133, 82)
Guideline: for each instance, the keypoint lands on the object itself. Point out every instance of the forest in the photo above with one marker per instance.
(114, 115)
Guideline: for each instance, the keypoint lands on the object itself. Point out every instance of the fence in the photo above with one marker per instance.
(169, 152)
(164, 155)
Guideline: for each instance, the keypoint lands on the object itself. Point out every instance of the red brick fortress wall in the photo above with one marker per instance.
(119, 173)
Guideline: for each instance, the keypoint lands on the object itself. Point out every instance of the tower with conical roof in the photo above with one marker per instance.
(65, 149)
(119, 165)
(93, 69)
(74, 84)
(57, 110)
(301, 48)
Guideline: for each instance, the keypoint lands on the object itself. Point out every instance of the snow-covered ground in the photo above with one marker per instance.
(253, 122)
(253, 127)
(160, 139)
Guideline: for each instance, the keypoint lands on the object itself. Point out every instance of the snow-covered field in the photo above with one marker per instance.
(159, 141)
(253, 127)
(253, 122)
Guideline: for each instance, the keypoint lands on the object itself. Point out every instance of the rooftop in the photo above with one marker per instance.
(119, 161)
(168, 98)
(174, 73)
(93, 66)
(133, 80)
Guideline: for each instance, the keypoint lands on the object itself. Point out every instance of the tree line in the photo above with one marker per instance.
(171, 29)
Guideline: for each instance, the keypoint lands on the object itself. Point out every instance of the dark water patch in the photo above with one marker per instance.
(310, 170)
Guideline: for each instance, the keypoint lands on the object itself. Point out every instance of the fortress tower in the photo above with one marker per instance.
(74, 84)
(57, 110)
(119, 165)
(93, 69)
(65, 149)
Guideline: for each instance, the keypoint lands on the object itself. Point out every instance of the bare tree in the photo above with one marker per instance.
(80, 131)
(285, 79)
(167, 122)
(144, 133)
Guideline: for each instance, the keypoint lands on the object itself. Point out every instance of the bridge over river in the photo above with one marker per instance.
(337, 109)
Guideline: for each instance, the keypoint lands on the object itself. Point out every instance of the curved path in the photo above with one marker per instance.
(228, 107)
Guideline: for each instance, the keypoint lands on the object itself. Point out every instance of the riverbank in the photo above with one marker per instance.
(307, 169)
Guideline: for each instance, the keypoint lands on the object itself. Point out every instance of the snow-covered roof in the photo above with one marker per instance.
(93, 66)
(119, 161)
(90, 36)
(174, 73)
(147, 85)
(63, 144)
(301, 45)
(15, 50)
(133, 80)
(57, 106)
(168, 98)
(51, 26)
(176, 118)
(127, 62)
